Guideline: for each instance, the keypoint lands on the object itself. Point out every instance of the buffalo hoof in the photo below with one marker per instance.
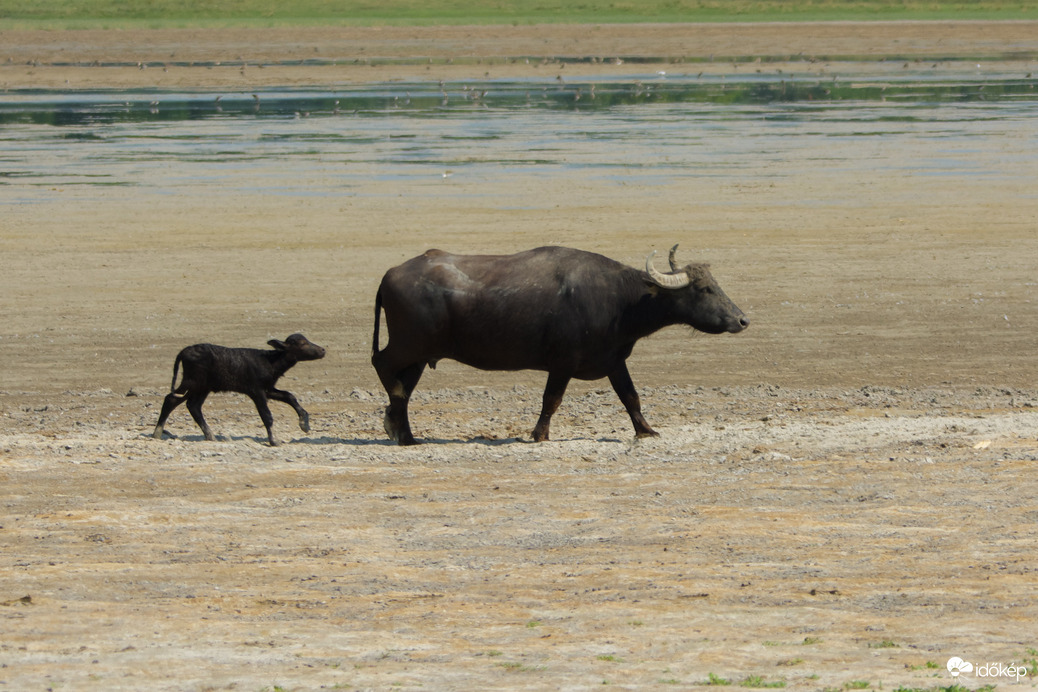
(304, 422)
(647, 433)
(401, 434)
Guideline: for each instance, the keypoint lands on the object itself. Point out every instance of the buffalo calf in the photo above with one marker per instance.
(249, 371)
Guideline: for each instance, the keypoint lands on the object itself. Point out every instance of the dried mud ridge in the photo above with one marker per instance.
(485, 414)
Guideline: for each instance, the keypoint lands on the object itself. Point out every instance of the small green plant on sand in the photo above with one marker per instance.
(758, 682)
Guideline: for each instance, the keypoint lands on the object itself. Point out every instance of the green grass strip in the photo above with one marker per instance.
(171, 13)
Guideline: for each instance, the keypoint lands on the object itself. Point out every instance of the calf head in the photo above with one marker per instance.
(299, 347)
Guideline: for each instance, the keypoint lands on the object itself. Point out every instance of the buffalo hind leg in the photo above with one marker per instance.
(168, 404)
(624, 388)
(399, 387)
(553, 393)
(289, 398)
(194, 405)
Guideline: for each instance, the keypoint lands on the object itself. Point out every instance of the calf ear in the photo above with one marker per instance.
(279, 345)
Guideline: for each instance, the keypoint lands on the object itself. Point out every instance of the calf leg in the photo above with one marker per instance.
(260, 399)
(624, 388)
(288, 398)
(553, 393)
(194, 405)
(169, 403)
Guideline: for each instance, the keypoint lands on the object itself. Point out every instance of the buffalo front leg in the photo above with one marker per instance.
(289, 398)
(624, 388)
(168, 404)
(553, 393)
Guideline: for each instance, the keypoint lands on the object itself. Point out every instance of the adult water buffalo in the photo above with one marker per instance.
(568, 312)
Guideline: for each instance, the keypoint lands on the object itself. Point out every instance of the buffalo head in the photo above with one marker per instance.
(698, 300)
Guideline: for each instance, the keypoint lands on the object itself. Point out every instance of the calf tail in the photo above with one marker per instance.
(176, 367)
(378, 318)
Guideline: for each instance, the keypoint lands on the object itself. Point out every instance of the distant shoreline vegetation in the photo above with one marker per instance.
(87, 109)
(96, 14)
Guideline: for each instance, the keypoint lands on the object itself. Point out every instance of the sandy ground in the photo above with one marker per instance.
(842, 495)
(264, 57)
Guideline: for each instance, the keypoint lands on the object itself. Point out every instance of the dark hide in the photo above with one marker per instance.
(571, 313)
(249, 371)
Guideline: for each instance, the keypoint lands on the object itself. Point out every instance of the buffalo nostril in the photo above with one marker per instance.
(744, 322)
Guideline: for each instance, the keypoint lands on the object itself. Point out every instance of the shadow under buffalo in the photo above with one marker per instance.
(477, 440)
(382, 442)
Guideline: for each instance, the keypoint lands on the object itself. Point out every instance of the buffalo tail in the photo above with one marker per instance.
(378, 319)
(176, 367)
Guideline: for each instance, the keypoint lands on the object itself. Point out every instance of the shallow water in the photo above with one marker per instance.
(646, 131)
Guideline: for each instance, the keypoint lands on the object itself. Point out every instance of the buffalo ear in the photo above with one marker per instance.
(278, 345)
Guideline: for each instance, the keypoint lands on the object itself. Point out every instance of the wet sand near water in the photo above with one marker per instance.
(251, 58)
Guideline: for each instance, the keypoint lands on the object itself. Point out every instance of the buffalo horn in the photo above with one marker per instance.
(676, 280)
(674, 265)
